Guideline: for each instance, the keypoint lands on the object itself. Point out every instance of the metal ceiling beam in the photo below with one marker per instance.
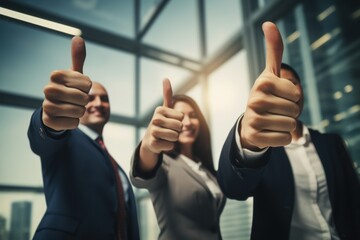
(107, 38)
(11, 188)
(154, 15)
(16, 100)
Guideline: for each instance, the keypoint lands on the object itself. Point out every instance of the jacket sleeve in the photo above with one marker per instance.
(151, 180)
(237, 179)
(42, 142)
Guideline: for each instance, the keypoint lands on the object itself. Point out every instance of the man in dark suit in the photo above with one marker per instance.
(303, 182)
(88, 195)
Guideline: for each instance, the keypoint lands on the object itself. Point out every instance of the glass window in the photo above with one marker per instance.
(177, 29)
(111, 15)
(28, 55)
(197, 93)
(151, 75)
(20, 213)
(263, 3)
(223, 20)
(224, 111)
(18, 164)
(323, 47)
(226, 108)
(236, 219)
(35, 54)
(116, 71)
(120, 141)
(147, 219)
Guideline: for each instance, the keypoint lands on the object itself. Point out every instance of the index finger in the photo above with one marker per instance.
(274, 47)
(78, 53)
(167, 93)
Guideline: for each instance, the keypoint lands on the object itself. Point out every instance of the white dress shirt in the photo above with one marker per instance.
(94, 135)
(312, 212)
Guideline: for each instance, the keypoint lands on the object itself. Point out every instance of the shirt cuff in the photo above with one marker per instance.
(246, 154)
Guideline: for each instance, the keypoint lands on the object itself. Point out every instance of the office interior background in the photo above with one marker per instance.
(211, 50)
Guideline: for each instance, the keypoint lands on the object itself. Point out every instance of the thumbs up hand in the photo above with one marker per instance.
(272, 108)
(66, 95)
(163, 130)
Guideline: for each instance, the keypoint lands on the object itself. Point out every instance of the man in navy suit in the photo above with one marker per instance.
(88, 196)
(303, 183)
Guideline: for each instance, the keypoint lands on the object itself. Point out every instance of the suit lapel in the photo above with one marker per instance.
(194, 175)
(321, 148)
(279, 173)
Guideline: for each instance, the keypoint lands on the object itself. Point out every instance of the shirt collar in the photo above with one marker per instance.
(303, 140)
(89, 132)
(191, 163)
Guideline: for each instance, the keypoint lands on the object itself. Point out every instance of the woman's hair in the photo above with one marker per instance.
(202, 146)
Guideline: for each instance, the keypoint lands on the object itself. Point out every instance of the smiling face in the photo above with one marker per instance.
(97, 112)
(191, 123)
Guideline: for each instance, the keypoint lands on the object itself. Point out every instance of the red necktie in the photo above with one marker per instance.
(121, 212)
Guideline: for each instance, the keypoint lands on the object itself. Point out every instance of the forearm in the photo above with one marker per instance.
(236, 178)
(41, 142)
(147, 160)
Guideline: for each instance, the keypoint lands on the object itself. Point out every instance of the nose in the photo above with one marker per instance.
(97, 101)
(186, 120)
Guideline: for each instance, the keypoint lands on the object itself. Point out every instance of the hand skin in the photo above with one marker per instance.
(272, 107)
(67, 92)
(162, 133)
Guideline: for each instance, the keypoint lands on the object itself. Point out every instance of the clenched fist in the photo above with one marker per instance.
(67, 92)
(162, 132)
(272, 108)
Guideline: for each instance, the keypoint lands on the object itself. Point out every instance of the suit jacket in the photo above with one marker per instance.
(270, 181)
(79, 187)
(184, 205)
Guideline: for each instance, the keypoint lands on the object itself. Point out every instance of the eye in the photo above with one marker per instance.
(104, 98)
(193, 115)
(91, 98)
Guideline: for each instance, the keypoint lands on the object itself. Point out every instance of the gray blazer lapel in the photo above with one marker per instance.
(193, 174)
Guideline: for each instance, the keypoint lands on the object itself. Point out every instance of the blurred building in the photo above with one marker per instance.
(211, 50)
(3, 232)
(20, 221)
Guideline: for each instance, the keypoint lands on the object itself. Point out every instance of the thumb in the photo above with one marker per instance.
(78, 53)
(274, 47)
(167, 93)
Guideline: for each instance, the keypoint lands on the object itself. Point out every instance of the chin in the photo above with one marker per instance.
(187, 140)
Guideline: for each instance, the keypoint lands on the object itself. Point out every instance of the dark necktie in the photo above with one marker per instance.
(121, 211)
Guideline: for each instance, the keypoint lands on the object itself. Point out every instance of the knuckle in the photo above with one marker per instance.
(48, 108)
(153, 144)
(56, 76)
(258, 103)
(156, 121)
(287, 138)
(296, 111)
(83, 98)
(159, 109)
(88, 84)
(156, 132)
(297, 95)
(82, 111)
(293, 124)
(254, 121)
(74, 122)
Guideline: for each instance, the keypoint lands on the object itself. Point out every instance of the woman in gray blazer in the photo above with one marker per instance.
(182, 182)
